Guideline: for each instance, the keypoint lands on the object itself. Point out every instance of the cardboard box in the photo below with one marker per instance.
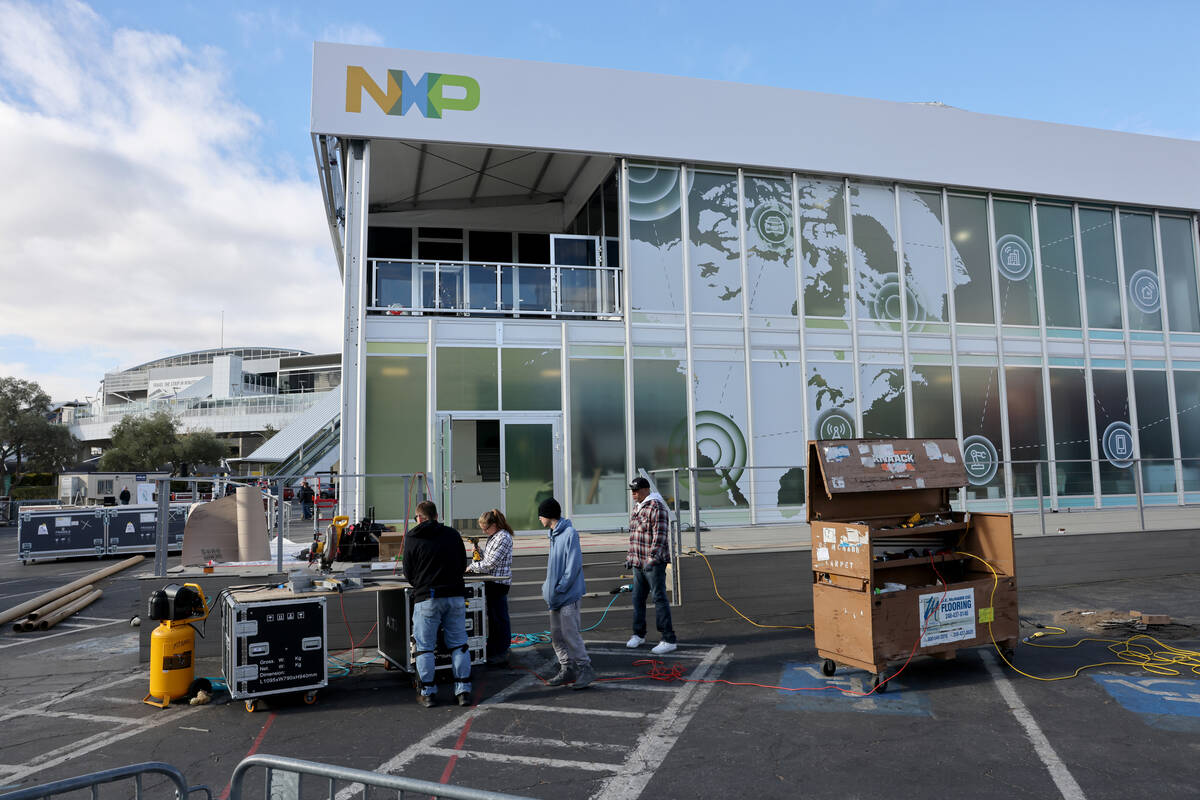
(391, 546)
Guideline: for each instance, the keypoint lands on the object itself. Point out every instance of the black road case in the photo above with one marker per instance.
(273, 646)
(58, 533)
(396, 644)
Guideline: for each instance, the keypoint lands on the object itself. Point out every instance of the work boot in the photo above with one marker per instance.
(464, 699)
(566, 674)
(585, 677)
(548, 670)
(427, 700)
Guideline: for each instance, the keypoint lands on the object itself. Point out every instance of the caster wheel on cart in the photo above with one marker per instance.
(310, 698)
(251, 706)
(387, 666)
(878, 683)
(829, 667)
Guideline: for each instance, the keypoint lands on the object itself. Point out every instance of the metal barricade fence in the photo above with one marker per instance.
(284, 780)
(94, 780)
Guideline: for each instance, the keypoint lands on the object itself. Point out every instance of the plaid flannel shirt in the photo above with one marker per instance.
(497, 557)
(648, 535)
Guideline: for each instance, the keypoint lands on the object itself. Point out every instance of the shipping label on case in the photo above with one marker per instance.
(950, 615)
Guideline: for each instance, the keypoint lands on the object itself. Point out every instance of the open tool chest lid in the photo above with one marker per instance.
(861, 478)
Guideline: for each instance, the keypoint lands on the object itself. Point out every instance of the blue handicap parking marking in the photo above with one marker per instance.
(1172, 703)
(807, 676)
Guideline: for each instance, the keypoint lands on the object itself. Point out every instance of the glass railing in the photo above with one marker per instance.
(257, 404)
(489, 289)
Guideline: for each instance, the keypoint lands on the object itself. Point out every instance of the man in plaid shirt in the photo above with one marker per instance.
(649, 554)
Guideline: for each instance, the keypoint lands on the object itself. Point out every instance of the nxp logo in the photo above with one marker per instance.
(426, 94)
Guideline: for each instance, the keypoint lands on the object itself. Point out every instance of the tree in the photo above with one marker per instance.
(141, 444)
(147, 443)
(26, 433)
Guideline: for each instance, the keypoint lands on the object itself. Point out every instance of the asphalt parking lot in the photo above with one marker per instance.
(971, 727)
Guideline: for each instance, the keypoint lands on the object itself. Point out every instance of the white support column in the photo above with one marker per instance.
(690, 394)
(1088, 389)
(905, 359)
(1047, 414)
(952, 315)
(352, 500)
(1126, 341)
(852, 299)
(1166, 321)
(1001, 381)
(798, 256)
(751, 460)
(627, 299)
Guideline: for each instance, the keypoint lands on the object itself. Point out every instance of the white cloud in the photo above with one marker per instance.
(546, 30)
(135, 209)
(350, 34)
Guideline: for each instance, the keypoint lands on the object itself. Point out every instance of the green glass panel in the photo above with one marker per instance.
(714, 255)
(529, 462)
(598, 436)
(1072, 448)
(982, 445)
(770, 247)
(655, 238)
(1141, 272)
(1187, 400)
(883, 401)
(1100, 282)
(933, 401)
(532, 379)
(877, 279)
(1060, 281)
(660, 414)
(1110, 403)
(1014, 263)
(822, 221)
(466, 379)
(970, 262)
(924, 256)
(1179, 271)
(395, 429)
(1154, 430)
(1027, 430)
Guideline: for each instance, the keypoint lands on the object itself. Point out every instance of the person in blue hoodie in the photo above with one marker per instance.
(562, 592)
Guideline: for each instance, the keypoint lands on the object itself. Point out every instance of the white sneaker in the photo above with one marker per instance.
(662, 648)
(636, 641)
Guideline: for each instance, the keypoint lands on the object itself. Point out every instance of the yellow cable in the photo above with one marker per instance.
(740, 614)
(1158, 662)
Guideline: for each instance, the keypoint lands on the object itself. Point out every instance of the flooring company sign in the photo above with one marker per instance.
(951, 616)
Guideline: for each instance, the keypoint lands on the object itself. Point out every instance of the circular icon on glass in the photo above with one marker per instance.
(885, 302)
(773, 222)
(720, 440)
(1014, 257)
(1117, 444)
(1143, 291)
(653, 193)
(834, 424)
(980, 459)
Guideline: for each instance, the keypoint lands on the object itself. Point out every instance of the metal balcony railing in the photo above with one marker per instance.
(254, 404)
(401, 287)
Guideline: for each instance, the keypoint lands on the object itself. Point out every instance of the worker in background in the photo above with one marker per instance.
(124, 496)
(562, 592)
(496, 560)
(434, 563)
(306, 495)
(648, 556)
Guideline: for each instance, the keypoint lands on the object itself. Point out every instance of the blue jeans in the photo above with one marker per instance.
(449, 614)
(653, 581)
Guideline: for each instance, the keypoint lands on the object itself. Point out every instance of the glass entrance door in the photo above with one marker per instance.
(508, 461)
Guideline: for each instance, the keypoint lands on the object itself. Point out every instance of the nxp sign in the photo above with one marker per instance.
(426, 94)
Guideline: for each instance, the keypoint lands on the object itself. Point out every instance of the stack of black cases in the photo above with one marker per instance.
(396, 645)
(273, 646)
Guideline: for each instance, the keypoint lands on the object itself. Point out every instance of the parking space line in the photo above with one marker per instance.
(1067, 786)
(533, 761)
(538, 741)
(640, 654)
(52, 698)
(657, 686)
(39, 712)
(595, 712)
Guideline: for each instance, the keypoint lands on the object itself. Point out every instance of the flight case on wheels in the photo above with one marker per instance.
(396, 644)
(896, 571)
(273, 646)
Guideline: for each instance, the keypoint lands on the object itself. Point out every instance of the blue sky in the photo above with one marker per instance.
(174, 175)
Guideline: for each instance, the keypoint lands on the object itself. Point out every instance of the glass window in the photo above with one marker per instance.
(1060, 281)
(1110, 399)
(883, 401)
(877, 280)
(933, 401)
(1100, 281)
(660, 414)
(721, 433)
(1026, 430)
(830, 398)
(979, 394)
(779, 441)
(770, 247)
(1154, 431)
(715, 247)
(1014, 263)
(1187, 400)
(924, 255)
(393, 284)
(822, 220)
(532, 379)
(1141, 272)
(467, 379)
(598, 435)
(970, 260)
(395, 428)
(655, 238)
(1179, 271)
(1072, 448)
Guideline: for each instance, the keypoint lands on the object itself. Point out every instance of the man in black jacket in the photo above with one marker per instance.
(306, 496)
(434, 562)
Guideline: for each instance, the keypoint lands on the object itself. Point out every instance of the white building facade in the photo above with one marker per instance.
(555, 276)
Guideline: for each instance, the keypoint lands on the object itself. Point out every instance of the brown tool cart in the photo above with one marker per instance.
(896, 572)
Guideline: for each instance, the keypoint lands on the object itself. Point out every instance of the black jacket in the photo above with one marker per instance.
(306, 494)
(434, 561)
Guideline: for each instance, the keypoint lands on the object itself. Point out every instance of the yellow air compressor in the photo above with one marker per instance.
(172, 645)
